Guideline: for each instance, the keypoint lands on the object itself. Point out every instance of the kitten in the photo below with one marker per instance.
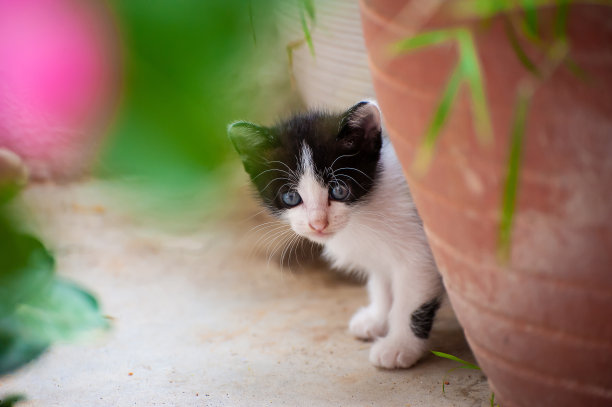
(337, 182)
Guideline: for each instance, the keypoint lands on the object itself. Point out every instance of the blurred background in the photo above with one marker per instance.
(137, 94)
(136, 90)
(126, 218)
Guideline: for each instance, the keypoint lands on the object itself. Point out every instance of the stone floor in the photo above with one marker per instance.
(204, 316)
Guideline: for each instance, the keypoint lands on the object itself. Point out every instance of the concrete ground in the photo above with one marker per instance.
(202, 317)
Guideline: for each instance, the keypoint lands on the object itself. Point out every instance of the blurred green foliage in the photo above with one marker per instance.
(36, 307)
(190, 68)
(10, 401)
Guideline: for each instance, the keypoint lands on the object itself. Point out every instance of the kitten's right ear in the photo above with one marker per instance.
(248, 139)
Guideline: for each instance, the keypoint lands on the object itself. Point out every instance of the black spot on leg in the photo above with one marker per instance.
(422, 318)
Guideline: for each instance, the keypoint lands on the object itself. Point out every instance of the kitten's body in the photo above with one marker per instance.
(393, 252)
(302, 168)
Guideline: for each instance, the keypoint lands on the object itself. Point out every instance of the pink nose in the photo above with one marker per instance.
(318, 225)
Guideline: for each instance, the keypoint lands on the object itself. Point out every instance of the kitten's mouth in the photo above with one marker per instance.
(319, 235)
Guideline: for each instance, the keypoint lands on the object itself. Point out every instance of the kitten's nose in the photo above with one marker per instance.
(318, 225)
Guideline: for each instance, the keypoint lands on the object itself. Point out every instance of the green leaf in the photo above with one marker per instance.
(25, 268)
(36, 308)
(10, 401)
(518, 49)
(486, 8)
(519, 123)
(307, 35)
(309, 6)
(577, 71)
(16, 351)
(466, 364)
(426, 39)
(425, 150)
(560, 23)
(530, 25)
(470, 65)
(61, 312)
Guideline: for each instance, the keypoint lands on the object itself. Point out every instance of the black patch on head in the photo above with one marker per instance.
(345, 149)
(422, 318)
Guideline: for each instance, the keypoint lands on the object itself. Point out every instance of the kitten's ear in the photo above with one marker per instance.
(361, 127)
(249, 139)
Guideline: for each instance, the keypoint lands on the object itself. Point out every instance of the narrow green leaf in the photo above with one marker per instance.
(560, 24)
(531, 18)
(291, 47)
(512, 173)
(307, 35)
(489, 8)
(492, 400)
(470, 65)
(466, 364)
(310, 9)
(577, 71)
(445, 377)
(426, 39)
(425, 151)
(518, 49)
(479, 8)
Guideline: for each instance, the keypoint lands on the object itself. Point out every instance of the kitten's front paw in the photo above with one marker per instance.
(365, 324)
(397, 352)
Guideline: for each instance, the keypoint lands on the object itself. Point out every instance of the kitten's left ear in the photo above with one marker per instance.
(248, 138)
(361, 127)
(250, 141)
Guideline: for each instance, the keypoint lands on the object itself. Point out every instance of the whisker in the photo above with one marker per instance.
(266, 224)
(342, 156)
(271, 169)
(286, 251)
(265, 237)
(354, 180)
(275, 179)
(355, 169)
(278, 246)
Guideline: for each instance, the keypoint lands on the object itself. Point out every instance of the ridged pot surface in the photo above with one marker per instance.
(540, 325)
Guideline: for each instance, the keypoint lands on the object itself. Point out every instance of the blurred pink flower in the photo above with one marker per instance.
(57, 82)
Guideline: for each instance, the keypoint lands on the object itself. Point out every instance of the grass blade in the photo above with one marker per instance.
(577, 71)
(489, 8)
(518, 49)
(307, 35)
(512, 172)
(560, 24)
(470, 65)
(466, 364)
(425, 151)
(530, 25)
(426, 39)
(308, 5)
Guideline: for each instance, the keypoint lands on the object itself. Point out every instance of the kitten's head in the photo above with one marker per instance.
(311, 168)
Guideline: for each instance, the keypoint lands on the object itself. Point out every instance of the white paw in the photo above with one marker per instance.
(397, 352)
(365, 324)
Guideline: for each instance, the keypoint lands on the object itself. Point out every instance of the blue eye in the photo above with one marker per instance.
(339, 192)
(291, 198)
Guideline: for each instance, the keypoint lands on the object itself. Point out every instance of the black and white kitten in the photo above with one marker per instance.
(337, 182)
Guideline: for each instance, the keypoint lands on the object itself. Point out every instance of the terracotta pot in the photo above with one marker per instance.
(541, 325)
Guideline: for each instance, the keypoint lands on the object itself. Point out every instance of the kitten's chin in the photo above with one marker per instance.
(318, 237)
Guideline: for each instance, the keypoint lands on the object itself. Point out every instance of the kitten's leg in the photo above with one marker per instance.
(416, 299)
(371, 322)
